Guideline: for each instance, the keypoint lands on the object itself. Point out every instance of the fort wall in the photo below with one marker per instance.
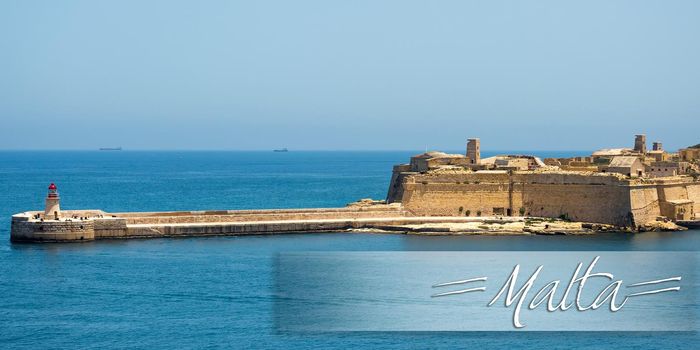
(694, 195)
(644, 203)
(579, 202)
(464, 194)
(598, 198)
(398, 174)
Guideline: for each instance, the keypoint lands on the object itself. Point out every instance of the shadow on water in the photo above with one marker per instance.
(647, 241)
(665, 241)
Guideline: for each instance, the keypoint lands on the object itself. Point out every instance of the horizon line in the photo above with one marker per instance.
(271, 150)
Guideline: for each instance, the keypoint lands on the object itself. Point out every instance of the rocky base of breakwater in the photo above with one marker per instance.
(516, 226)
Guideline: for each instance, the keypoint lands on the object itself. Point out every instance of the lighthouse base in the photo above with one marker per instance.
(24, 230)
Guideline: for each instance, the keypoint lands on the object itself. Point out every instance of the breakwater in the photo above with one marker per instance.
(87, 225)
(90, 225)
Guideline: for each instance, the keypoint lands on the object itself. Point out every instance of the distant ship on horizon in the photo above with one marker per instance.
(280, 150)
(110, 148)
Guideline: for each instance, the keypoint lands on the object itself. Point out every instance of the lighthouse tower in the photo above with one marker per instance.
(52, 210)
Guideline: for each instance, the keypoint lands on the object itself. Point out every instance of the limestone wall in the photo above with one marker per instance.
(592, 197)
(399, 173)
(589, 203)
(645, 204)
(259, 215)
(694, 195)
(110, 228)
(50, 231)
(577, 196)
(602, 199)
(457, 195)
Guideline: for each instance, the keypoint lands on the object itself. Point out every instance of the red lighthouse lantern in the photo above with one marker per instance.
(53, 192)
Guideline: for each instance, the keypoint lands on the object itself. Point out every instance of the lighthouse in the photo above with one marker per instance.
(52, 210)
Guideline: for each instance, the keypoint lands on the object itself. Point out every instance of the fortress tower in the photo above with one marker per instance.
(474, 151)
(53, 209)
(640, 144)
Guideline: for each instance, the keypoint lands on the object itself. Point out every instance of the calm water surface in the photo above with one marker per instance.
(218, 291)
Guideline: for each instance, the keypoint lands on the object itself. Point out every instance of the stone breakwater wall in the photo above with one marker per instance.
(55, 231)
(598, 198)
(220, 216)
(101, 225)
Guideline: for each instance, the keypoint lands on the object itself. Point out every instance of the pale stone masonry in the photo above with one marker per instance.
(588, 197)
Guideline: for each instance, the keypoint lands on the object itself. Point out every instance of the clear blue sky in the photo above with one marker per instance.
(332, 74)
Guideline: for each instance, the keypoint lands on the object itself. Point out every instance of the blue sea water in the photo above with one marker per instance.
(219, 291)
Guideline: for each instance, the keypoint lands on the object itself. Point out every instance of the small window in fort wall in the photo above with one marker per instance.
(499, 211)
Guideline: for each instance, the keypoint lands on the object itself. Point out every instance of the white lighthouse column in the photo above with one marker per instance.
(52, 210)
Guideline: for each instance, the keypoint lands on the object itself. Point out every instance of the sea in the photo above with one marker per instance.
(219, 292)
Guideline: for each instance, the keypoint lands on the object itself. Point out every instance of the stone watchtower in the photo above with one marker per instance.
(52, 209)
(640, 144)
(474, 151)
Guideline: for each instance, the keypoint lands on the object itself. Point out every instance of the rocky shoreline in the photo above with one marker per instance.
(516, 226)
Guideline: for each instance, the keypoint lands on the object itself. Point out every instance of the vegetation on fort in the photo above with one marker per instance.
(696, 146)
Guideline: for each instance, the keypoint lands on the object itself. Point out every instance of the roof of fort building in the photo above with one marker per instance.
(436, 154)
(623, 161)
(612, 152)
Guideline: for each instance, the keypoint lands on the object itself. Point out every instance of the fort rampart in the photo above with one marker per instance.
(599, 198)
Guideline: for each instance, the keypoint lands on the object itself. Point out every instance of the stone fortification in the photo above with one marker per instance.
(589, 197)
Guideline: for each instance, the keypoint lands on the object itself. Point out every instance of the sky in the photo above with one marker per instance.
(348, 75)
